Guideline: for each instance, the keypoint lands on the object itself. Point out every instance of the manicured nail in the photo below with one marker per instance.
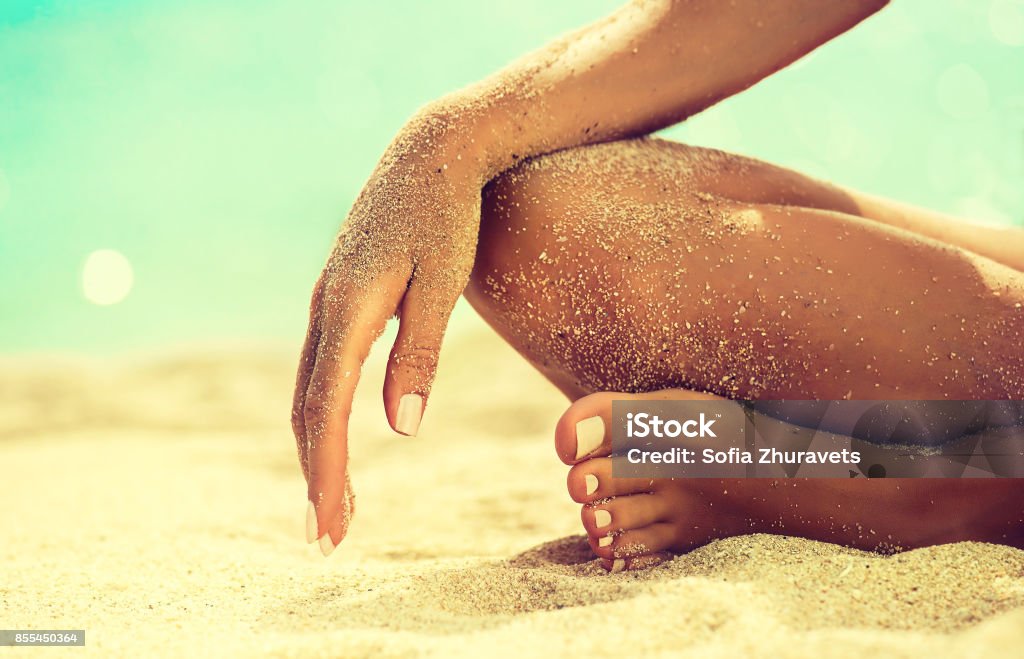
(591, 481)
(589, 436)
(326, 545)
(605, 541)
(618, 565)
(410, 409)
(602, 518)
(310, 523)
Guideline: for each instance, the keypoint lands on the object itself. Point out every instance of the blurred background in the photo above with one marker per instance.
(172, 172)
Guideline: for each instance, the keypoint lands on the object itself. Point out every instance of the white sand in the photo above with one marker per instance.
(159, 506)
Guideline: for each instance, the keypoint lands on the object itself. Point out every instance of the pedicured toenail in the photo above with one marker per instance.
(618, 565)
(605, 541)
(602, 518)
(589, 436)
(591, 481)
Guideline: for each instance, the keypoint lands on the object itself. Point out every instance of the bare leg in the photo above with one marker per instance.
(1002, 244)
(779, 186)
(645, 265)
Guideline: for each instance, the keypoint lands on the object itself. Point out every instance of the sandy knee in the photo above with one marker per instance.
(524, 284)
(554, 276)
(518, 209)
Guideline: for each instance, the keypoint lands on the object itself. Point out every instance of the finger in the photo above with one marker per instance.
(353, 316)
(423, 317)
(307, 359)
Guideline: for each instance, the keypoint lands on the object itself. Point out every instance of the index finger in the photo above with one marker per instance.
(353, 317)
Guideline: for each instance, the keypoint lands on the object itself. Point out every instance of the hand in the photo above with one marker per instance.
(406, 249)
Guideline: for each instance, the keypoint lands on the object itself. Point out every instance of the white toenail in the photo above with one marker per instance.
(602, 518)
(591, 481)
(618, 565)
(589, 436)
(605, 541)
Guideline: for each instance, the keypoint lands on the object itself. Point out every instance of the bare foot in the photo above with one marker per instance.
(636, 522)
(633, 522)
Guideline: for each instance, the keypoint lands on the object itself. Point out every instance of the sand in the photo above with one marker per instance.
(157, 503)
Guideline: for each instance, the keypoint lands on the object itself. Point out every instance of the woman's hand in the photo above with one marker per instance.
(406, 249)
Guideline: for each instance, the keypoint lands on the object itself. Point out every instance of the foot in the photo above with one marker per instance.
(634, 523)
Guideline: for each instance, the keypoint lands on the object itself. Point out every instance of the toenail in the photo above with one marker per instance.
(605, 541)
(602, 518)
(589, 436)
(618, 565)
(591, 481)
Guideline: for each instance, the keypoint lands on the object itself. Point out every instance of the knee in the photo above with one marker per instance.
(523, 211)
(568, 262)
(525, 284)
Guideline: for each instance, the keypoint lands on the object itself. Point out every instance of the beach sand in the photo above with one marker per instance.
(157, 503)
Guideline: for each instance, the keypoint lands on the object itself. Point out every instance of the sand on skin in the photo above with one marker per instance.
(158, 504)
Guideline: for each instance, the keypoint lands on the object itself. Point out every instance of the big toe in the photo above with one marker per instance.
(583, 430)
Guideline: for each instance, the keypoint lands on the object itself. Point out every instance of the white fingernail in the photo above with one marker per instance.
(589, 436)
(602, 518)
(326, 545)
(618, 565)
(310, 523)
(605, 541)
(410, 409)
(591, 481)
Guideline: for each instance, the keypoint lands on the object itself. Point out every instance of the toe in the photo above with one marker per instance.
(622, 514)
(592, 480)
(644, 562)
(635, 543)
(583, 429)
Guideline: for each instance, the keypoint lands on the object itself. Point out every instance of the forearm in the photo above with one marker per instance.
(647, 66)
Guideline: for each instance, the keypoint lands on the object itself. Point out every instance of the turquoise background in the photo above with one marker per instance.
(218, 144)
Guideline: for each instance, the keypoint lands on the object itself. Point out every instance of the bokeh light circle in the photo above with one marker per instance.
(961, 92)
(1006, 21)
(107, 277)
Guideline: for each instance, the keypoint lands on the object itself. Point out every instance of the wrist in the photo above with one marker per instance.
(461, 132)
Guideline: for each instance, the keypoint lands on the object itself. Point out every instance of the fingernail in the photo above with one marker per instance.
(310, 523)
(326, 545)
(618, 565)
(602, 518)
(410, 409)
(589, 436)
(605, 541)
(591, 481)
